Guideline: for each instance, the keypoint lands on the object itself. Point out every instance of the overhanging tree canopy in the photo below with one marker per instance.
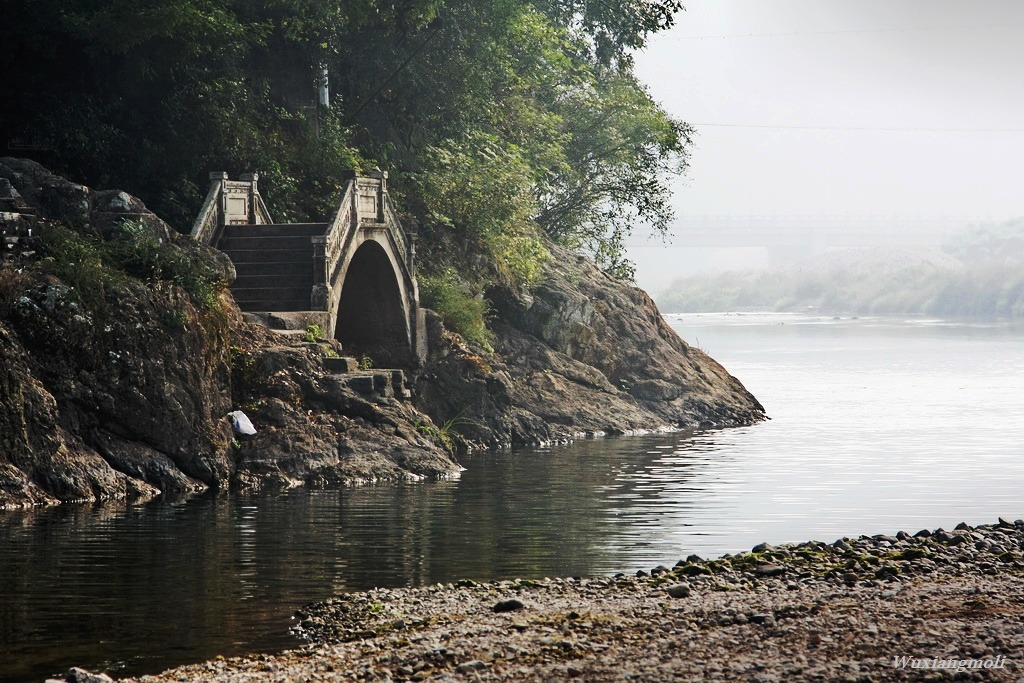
(502, 121)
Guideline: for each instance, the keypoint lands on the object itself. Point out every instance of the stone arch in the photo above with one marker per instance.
(372, 313)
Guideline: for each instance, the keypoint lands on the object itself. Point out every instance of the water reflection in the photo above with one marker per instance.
(139, 588)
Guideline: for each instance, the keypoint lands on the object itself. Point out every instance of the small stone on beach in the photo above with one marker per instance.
(508, 606)
(679, 590)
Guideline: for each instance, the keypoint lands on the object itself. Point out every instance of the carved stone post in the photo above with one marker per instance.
(251, 178)
(382, 194)
(412, 234)
(320, 299)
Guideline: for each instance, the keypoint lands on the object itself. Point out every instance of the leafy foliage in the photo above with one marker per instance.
(460, 310)
(508, 106)
(313, 333)
(622, 149)
(13, 283)
(480, 188)
(446, 434)
(614, 28)
(94, 267)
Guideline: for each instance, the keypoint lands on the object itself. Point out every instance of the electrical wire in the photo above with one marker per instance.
(809, 34)
(885, 129)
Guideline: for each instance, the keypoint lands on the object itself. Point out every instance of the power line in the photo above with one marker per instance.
(808, 34)
(884, 129)
(426, 41)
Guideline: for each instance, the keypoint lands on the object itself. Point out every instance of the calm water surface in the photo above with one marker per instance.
(878, 425)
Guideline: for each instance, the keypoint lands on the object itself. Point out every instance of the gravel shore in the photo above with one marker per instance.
(947, 605)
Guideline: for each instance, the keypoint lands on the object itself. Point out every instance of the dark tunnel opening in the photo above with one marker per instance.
(371, 316)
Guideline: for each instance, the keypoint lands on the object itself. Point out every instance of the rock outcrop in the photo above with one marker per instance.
(323, 429)
(579, 353)
(122, 353)
(109, 389)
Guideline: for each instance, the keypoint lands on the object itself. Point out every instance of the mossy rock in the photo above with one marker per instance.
(910, 554)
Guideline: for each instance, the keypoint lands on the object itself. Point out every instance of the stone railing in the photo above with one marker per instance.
(329, 248)
(207, 224)
(400, 240)
(229, 202)
(365, 204)
(370, 192)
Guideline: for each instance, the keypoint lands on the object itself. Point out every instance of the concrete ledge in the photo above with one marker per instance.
(375, 384)
(287, 320)
(345, 364)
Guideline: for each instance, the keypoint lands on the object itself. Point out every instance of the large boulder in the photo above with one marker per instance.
(119, 392)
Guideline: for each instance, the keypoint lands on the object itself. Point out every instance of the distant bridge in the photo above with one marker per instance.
(840, 231)
(802, 236)
(353, 275)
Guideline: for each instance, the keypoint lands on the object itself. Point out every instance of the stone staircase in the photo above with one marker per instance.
(373, 384)
(274, 273)
(17, 219)
(273, 264)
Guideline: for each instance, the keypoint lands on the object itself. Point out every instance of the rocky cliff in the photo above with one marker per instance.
(122, 352)
(579, 353)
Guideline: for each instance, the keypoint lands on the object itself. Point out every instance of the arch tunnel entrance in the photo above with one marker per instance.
(372, 317)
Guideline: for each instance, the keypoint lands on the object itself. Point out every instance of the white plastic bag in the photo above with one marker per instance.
(241, 422)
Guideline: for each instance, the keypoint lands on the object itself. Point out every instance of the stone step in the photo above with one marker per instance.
(16, 205)
(273, 305)
(287, 333)
(341, 366)
(376, 384)
(272, 243)
(290, 322)
(261, 291)
(273, 265)
(271, 256)
(19, 217)
(284, 293)
(274, 229)
(246, 280)
(257, 269)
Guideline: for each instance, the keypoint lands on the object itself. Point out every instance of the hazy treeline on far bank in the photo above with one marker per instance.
(977, 273)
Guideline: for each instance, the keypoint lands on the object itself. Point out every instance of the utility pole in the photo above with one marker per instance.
(325, 90)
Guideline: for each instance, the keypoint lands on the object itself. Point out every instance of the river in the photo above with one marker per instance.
(877, 425)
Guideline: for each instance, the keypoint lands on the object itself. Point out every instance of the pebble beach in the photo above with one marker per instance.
(934, 605)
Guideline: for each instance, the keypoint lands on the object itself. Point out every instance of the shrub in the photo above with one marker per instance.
(313, 332)
(78, 261)
(139, 254)
(13, 283)
(460, 310)
(92, 265)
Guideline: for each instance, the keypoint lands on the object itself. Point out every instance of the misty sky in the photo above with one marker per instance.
(877, 107)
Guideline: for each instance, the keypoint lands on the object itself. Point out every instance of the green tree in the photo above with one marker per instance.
(567, 143)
